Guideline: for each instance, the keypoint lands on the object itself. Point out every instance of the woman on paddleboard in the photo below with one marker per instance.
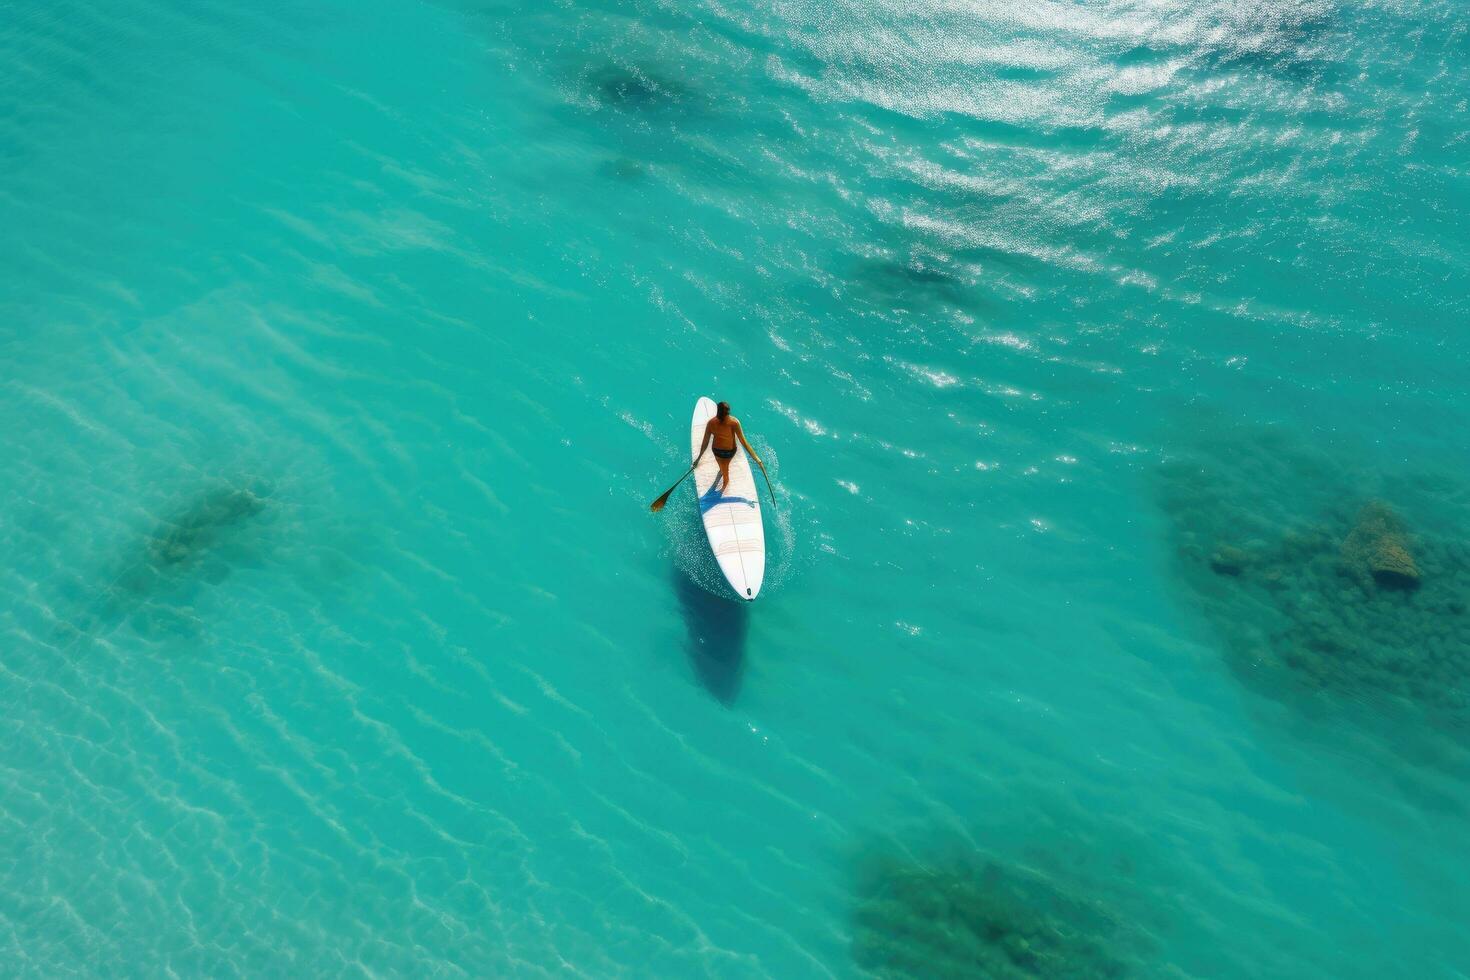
(724, 430)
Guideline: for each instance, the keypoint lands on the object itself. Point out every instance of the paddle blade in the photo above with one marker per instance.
(658, 504)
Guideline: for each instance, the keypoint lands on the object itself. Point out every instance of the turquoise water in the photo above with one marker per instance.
(344, 346)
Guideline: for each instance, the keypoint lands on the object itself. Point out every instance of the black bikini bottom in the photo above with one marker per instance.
(724, 453)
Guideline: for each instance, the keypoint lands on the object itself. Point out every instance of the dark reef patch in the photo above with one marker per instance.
(966, 915)
(202, 525)
(634, 88)
(165, 572)
(191, 539)
(1329, 586)
(624, 169)
(918, 281)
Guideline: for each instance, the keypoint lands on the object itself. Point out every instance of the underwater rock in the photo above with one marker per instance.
(1376, 549)
(972, 917)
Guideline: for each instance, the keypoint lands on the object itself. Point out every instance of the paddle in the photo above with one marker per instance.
(658, 504)
(768, 481)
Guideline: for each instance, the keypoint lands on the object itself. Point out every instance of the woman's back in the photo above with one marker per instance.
(724, 431)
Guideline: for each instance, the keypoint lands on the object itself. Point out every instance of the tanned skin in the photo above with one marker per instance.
(724, 432)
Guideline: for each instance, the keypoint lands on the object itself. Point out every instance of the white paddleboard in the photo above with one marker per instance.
(732, 516)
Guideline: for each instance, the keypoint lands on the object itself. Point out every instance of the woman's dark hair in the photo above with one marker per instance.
(722, 410)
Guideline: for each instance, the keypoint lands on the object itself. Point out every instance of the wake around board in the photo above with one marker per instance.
(731, 515)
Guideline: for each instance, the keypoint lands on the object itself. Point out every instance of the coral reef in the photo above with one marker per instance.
(968, 916)
(1321, 582)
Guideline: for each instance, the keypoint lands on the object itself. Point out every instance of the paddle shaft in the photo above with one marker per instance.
(658, 504)
(768, 481)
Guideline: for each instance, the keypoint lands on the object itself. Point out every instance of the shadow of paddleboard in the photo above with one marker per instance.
(716, 628)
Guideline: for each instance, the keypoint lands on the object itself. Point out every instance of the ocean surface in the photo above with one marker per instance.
(1099, 352)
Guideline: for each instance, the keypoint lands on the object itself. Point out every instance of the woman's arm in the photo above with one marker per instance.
(740, 434)
(709, 433)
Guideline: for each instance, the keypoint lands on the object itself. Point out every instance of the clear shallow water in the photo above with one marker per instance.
(344, 347)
